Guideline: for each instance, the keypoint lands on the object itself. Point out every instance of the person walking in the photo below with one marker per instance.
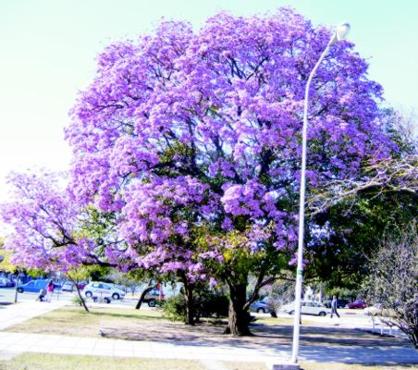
(42, 295)
(50, 290)
(334, 305)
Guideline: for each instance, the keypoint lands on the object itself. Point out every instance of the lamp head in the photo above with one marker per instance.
(341, 31)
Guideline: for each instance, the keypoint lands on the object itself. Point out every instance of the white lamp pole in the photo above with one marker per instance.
(339, 34)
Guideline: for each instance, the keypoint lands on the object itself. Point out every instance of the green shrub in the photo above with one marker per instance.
(206, 304)
(174, 308)
(212, 304)
(77, 300)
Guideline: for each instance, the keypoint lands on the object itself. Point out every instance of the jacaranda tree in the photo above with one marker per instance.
(192, 139)
(49, 232)
(42, 222)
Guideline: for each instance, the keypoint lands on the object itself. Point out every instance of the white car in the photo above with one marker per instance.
(307, 308)
(102, 290)
(68, 286)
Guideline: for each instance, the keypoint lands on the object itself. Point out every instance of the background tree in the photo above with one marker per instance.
(350, 233)
(48, 231)
(394, 280)
(42, 221)
(350, 218)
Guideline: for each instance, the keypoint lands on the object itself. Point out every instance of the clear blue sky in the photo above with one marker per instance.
(48, 50)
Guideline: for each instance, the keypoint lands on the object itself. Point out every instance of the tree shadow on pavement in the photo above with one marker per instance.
(265, 336)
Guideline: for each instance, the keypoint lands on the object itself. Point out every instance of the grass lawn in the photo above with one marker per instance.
(74, 321)
(36, 361)
(139, 325)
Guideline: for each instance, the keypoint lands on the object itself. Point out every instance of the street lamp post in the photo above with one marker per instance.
(339, 34)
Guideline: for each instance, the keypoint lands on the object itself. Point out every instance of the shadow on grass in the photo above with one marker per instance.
(332, 336)
(322, 344)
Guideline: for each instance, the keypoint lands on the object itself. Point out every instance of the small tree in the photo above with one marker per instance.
(76, 275)
(394, 281)
(48, 232)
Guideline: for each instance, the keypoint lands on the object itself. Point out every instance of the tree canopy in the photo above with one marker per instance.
(184, 128)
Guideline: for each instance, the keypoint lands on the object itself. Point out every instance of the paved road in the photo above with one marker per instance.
(7, 296)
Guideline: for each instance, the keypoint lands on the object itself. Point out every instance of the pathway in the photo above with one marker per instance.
(16, 313)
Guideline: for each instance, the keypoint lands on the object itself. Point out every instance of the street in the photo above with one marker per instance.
(7, 296)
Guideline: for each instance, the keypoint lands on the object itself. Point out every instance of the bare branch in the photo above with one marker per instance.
(391, 175)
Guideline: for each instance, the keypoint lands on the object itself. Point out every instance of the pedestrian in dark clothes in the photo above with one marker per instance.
(334, 304)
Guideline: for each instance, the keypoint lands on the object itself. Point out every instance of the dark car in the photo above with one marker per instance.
(261, 306)
(33, 286)
(358, 303)
(154, 296)
(341, 303)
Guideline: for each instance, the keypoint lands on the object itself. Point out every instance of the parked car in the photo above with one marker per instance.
(307, 308)
(153, 296)
(119, 286)
(341, 303)
(261, 306)
(99, 289)
(69, 286)
(33, 286)
(6, 283)
(358, 303)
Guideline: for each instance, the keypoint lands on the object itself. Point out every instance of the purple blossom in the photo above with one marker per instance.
(182, 130)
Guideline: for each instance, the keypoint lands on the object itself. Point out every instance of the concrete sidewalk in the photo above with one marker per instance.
(16, 313)
(41, 343)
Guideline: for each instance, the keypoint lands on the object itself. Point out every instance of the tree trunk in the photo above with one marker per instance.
(83, 302)
(190, 309)
(238, 316)
(143, 294)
